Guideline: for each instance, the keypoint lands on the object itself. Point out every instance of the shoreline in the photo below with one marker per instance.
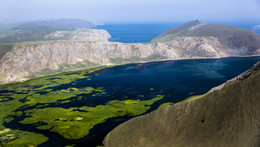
(97, 68)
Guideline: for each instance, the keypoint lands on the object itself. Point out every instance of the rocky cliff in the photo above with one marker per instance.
(225, 116)
(27, 58)
(85, 48)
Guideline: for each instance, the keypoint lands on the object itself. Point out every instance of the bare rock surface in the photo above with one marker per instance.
(226, 117)
(30, 57)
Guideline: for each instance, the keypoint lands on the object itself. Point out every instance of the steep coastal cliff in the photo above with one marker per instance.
(33, 57)
(226, 116)
(90, 48)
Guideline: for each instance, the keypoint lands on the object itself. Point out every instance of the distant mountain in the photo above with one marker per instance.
(228, 115)
(36, 30)
(55, 24)
(234, 39)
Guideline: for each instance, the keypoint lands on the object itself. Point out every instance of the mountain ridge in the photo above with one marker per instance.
(36, 30)
(231, 37)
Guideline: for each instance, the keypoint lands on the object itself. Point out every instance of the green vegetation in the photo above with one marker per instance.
(17, 138)
(72, 123)
(34, 100)
(53, 96)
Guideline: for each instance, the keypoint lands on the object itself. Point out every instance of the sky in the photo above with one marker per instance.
(109, 11)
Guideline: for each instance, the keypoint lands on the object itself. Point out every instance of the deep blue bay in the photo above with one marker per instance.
(176, 80)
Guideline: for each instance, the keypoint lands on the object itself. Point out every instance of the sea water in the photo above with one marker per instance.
(145, 32)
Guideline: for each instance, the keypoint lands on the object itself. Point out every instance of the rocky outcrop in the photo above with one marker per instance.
(79, 34)
(228, 116)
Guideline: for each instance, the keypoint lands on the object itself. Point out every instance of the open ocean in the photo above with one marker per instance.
(145, 32)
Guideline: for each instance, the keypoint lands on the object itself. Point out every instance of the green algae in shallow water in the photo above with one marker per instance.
(29, 120)
(74, 124)
(70, 123)
(53, 96)
(8, 108)
(17, 138)
(20, 94)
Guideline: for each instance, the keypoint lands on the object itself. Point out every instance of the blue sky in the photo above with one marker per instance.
(133, 10)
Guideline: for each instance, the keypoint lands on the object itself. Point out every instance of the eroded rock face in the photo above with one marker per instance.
(229, 116)
(26, 58)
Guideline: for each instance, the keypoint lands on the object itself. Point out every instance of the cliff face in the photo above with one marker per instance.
(33, 57)
(226, 116)
(90, 47)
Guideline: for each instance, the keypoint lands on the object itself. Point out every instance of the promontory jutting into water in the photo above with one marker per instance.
(82, 107)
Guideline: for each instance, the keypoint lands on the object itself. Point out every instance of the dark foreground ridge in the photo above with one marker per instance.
(227, 116)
